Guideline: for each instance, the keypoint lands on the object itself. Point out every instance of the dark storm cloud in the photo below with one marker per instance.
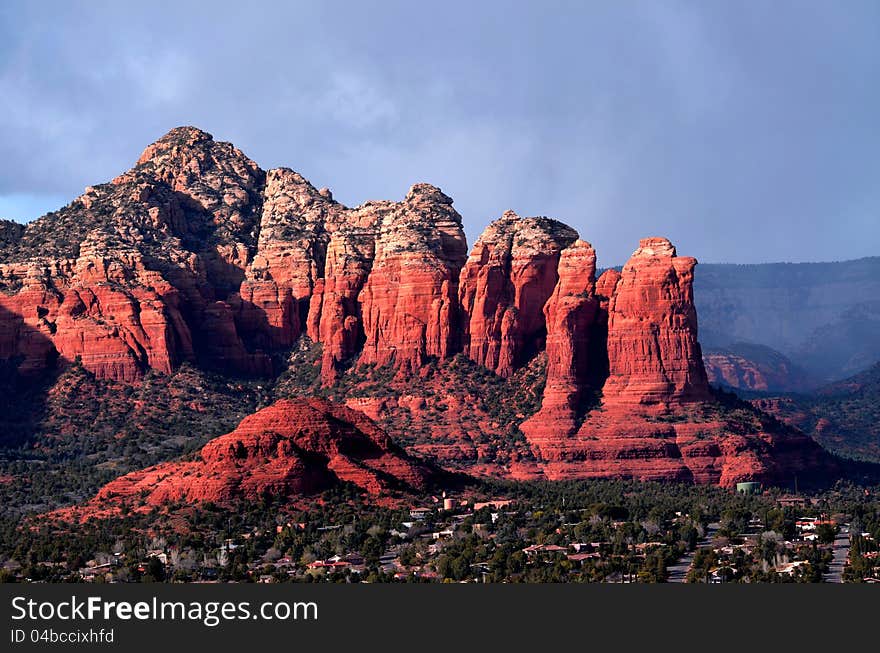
(743, 131)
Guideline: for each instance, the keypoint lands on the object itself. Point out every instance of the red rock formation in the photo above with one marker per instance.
(93, 312)
(755, 367)
(217, 178)
(657, 419)
(196, 254)
(606, 285)
(705, 446)
(335, 309)
(289, 260)
(653, 353)
(25, 334)
(509, 275)
(570, 315)
(409, 302)
(223, 348)
(122, 277)
(290, 448)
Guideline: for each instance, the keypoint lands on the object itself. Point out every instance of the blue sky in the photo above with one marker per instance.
(743, 131)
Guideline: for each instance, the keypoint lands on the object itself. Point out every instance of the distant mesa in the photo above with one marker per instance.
(749, 366)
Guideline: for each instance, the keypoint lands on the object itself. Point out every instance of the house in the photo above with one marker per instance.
(543, 548)
(89, 574)
(811, 523)
(160, 555)
(721, 574)
(645, 546)
(328, 565)
(789, 568)
(580, 557)
(580, 547)
(354, 559)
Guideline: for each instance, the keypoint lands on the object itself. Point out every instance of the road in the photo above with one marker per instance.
(841, 554)
(679, 571)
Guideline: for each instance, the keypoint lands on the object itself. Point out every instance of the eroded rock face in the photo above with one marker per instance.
(196, 254)
(123, 276)
(571, 316)
(696, 443)
(755, 367)
(335, 313)
(25, 334)
(409, 302)
(653, 354)
(288, 449)
(657, 419)
(509, 276)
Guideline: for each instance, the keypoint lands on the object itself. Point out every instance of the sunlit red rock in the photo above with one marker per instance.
(289, 449)
(571, 313)
(410, 300)
(653, 354)
(509, 275)
(197, 255)
(335, 314)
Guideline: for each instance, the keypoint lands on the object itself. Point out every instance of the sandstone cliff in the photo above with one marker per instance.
(575, 336)
(653, 353)
(747, 366)
(510, 274)
(409, 302)
(512, 361)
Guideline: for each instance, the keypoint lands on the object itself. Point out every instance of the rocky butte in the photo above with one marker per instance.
(289, 449)
(198, 255)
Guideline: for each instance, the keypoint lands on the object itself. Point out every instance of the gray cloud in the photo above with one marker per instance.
(743, 131)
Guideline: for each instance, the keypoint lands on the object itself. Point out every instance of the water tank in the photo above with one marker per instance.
(748, 487)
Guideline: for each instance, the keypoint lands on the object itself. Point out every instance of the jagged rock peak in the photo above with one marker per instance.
(188, 156)
(179, 137)
(512, 231)
(653, 353)
(290, 175)
(288, 190)
(409, 303)
(655, 246)
(427, 193)
(509, 275)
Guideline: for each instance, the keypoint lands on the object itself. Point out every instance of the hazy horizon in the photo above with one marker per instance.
(744, 133)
